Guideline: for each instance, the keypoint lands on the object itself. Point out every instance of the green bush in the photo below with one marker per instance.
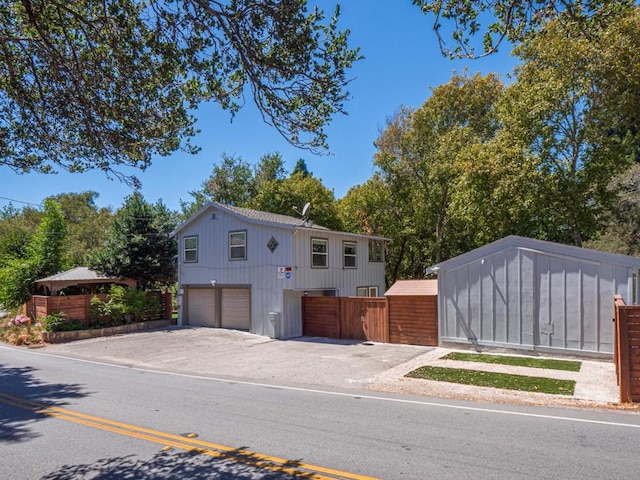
(54, 322)
(123, 305)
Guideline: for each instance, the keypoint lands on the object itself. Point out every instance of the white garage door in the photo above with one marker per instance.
(236, 308)
(201, 307)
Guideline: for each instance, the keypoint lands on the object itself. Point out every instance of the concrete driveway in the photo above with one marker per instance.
(234, 354)
(310, 361)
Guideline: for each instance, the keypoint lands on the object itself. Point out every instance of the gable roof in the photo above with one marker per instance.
(267, 217)
(413, 288)
(263, 218)
(75, 274)
(541, 246)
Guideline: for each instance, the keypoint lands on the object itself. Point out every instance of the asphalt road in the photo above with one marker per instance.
(129, 422)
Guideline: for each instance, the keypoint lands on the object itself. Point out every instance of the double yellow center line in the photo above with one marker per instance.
(187, 443)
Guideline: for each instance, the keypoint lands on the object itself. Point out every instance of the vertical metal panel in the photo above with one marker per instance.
(474, 299)
(572, 300)
(590, 307)
(501, 279)
(528, 301)
(513, 287)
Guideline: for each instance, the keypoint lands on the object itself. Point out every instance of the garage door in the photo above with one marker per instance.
(201, 307)
(236, 308)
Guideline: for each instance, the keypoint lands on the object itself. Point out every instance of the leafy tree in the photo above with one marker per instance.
(423, 156)
(231, 181)
(46, 249)
(373, 209)
(44, 257)
(281, 196)
(269, 168)
(301, 168)
(16, 229)
(563, 105)
(100, 85)
(138, 244)
(87, 225)
(513, 20)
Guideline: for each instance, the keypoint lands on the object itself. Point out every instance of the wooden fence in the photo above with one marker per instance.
(76, 307)
(627, 349)
(376, 319)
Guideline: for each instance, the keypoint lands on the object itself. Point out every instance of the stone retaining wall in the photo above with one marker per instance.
(61, 337)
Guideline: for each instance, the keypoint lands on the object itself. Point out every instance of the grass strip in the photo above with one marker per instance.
(496, 380)
(566, 365)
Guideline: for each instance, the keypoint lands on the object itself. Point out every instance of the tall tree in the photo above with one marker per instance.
(44, 257)
(291, 194)
(87, 225)
(425, 151)
(565, 105)
(139, 245)
(269, 168)
(71, 69)
(301, 168)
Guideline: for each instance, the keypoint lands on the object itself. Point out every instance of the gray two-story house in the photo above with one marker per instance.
(245, 269)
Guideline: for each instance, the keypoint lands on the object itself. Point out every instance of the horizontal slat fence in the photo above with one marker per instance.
(406, 320)
(413, 320)
(627, 349)
(76, 307)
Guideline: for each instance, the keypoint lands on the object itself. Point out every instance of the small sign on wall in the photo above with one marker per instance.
(284, 272)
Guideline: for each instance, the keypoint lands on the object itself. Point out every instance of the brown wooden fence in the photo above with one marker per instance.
(627, 349)
(76, 307)
(376, 319)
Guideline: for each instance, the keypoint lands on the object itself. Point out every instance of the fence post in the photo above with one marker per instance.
(168, 306)
(623, 355)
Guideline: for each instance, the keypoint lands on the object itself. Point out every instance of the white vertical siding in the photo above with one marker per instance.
(345, 280)
(259, 271)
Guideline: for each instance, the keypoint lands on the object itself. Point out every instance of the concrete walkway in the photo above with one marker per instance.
(313, 361)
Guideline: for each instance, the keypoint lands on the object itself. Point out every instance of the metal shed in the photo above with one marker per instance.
(519, 292)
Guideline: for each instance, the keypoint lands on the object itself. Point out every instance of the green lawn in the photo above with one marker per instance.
(495, 380)
(567, 365)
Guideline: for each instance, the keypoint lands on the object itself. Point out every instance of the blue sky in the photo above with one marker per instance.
(402, 62)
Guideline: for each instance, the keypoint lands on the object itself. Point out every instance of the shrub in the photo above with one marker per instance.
(54, 322)
(123, 305)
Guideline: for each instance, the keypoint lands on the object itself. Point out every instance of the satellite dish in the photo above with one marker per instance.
(305, 209)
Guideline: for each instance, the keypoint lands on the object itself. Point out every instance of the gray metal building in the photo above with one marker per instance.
(523, 293)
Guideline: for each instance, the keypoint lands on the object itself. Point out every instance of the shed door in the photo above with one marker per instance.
(236, 308)
(201, 307)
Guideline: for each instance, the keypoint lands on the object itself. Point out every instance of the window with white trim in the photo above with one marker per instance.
(190, 249)
(367, 292)
(376, 251)
(319, 253)
(349, 254)
(238, 245)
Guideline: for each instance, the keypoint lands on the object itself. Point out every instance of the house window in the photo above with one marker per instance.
(238, 245)
(349, 254)
(190, 248)
(319, 253)
(367, 292)
(376, 249)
